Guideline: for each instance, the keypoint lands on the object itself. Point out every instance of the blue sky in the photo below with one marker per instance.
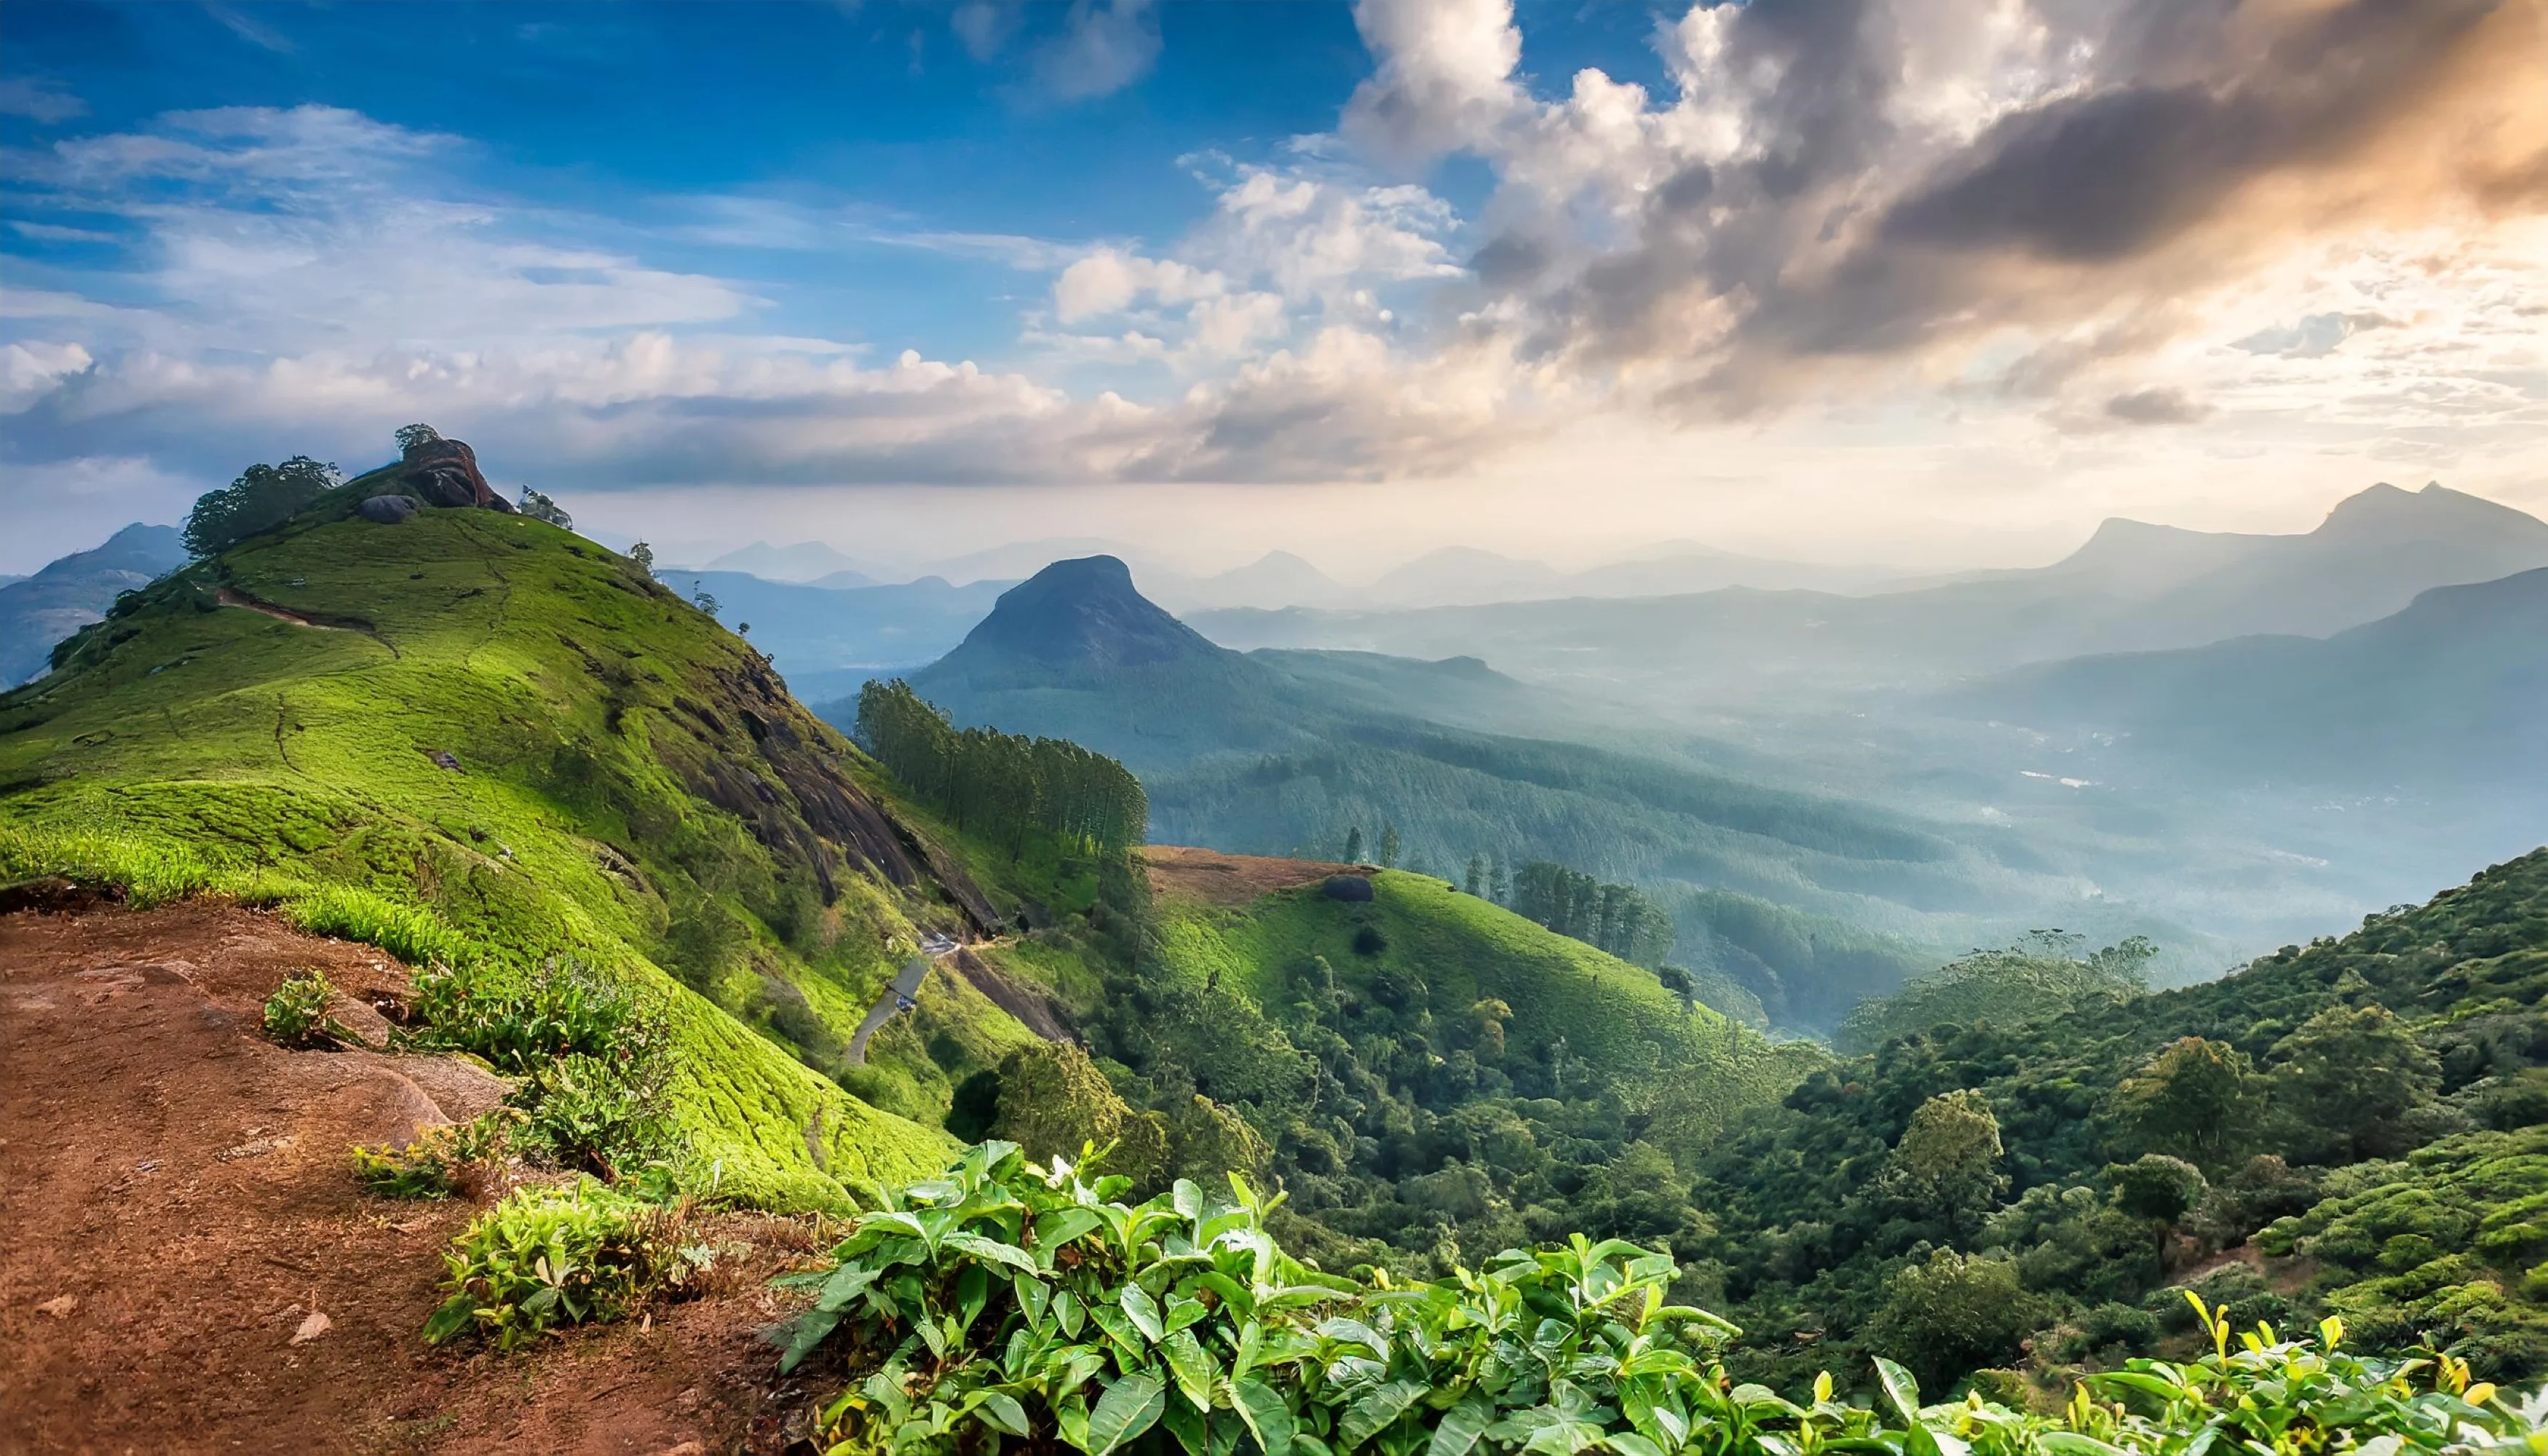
(1918, 280)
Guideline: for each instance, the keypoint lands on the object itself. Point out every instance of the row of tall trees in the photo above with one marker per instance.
(1619, 918)
(1002, 786)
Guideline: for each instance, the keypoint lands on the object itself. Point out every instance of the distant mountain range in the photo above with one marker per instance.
(40, 610)
(2451, 690)
(2131, 588)
(828, 639)
(803, 561)
(1283, 751)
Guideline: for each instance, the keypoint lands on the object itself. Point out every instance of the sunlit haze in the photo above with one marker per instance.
(1919, 284)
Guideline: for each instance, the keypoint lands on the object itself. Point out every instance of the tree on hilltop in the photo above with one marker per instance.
(410, 436)
(262, 497)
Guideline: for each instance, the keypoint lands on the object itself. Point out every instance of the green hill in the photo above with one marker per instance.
(1428, 1072)
(1280, 753)
(474, 737)
(2357, 1126)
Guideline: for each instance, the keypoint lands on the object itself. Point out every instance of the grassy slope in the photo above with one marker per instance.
(219, 748)
(1462, 949)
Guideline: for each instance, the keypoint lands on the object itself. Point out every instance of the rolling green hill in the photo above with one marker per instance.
(1427, 1076)
(474, 737)
(1282, 753)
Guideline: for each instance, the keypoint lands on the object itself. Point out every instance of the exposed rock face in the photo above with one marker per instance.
(445, 473)
(389, 511)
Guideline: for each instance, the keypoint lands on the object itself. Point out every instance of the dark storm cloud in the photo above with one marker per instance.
(1842, 235)
(2106, 175)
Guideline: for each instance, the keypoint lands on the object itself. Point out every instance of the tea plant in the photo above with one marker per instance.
(441, 1160)
(1005, 1302)
(551, 1256)
(598, 1116)
(296, 1015)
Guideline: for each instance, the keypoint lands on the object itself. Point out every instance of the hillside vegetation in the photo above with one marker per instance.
(2356, 1126)
(475, 738)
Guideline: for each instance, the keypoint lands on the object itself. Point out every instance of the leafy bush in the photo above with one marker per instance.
(598, 1116)
(549, 1256)
(441, 1160)
(296, 1015)
(521, 1023)
(1008, 1303)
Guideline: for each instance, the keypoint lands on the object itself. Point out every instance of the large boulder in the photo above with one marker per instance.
(388, 511)
(445, 473)
(1349, 887)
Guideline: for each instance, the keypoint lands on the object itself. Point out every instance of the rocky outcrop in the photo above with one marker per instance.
(1349, 887)
(445, 473)
(389, 511)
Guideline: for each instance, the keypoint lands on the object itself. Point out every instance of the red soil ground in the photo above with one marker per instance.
(178, 1202)
(1183, 874)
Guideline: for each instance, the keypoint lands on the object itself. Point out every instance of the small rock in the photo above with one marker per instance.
(360, 1019)
(442, 759)
(686, 1448)
(60, 1307)
(255, 1148)
(147, 1165)
(311, 1328)
(388, 511)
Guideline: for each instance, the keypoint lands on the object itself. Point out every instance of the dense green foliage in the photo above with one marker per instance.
(553, 1255)
(262, 497)
(2355, 1124)
(1431, 1076)
(999, 786)
(1005, 1302)
(2041, 978)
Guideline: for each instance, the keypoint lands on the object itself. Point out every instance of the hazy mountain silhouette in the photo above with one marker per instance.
(75, 591)
(2452, 690)
(2131, 588)
(1276, 579)
(810, 562)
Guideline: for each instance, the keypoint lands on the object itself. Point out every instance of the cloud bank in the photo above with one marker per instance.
(2083, 216)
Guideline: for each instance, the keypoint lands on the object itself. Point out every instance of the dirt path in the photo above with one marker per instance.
(178, 1204)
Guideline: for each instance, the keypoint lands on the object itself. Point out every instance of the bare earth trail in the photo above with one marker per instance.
(179, 1203)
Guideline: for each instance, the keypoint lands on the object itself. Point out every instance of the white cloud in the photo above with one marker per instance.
(40, 99)
(1105, 45)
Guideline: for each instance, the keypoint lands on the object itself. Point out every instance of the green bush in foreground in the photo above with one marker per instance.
(1005, 1302)
(296, 1015)
(549, 1256)
(441, 1160)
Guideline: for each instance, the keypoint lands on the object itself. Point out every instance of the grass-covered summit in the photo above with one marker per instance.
(473, 736)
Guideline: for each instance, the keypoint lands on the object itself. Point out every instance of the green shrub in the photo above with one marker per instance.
(1005, 1302)
(521, 1023)
(441, 1160)
(598, 1114)
(296, 1015)
(551, 1256)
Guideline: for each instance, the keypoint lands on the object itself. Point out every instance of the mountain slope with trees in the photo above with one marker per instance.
(2356, 1126)
(1289, 752)
(69, 594)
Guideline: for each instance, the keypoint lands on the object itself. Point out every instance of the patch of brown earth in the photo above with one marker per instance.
(1180, 872)
(179, 1208)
